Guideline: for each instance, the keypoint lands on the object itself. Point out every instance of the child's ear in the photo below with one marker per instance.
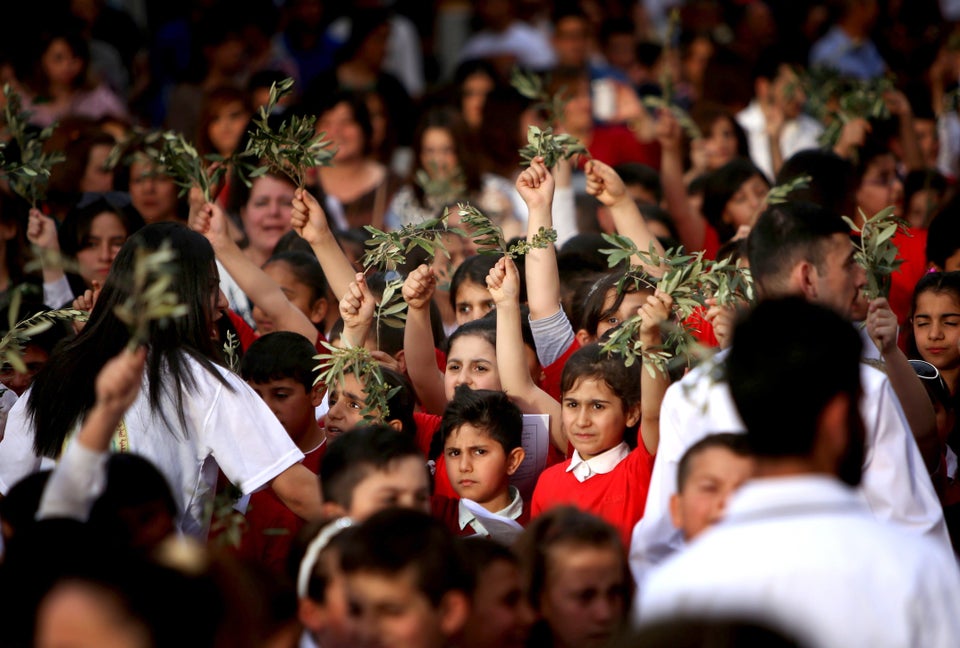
(318, 312)
(401, 358)
(316, 394)
(454, 610)
(583, 337)
(633, 415)
(676, 515)
(514, 459)
(311, 615)
(396, 424)
(333, 510)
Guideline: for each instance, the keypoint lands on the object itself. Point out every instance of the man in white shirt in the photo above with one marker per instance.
(794, 249)
(797, 539)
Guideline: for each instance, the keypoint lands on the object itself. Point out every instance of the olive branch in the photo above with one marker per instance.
(15, 340)
(338, 361)
(544, 142)
(28, 169)
(488, 236)
(293, 147)
(876, 252)
(443, 189)
(836, 100)
(151, 299)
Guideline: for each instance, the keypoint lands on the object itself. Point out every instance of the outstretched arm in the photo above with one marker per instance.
(653, 385)
(504, 284)
(418, 342)
(604, 183)
(691, 227)
(310, 223)
(535, 185)
(210, 221)
(356, 311)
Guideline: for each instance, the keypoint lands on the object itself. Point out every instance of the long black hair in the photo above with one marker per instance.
(63, 391)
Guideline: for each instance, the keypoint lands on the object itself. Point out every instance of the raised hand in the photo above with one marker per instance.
(535, 185)
(308, 218)
(604, 183)
(419, 286)
(42, 231)
(357, 305)
(654, 312)
(210, 221)
(118, 383)
(882, 325)
(503, 281)
(722, 319)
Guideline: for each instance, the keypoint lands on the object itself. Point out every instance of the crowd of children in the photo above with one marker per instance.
(514, 431)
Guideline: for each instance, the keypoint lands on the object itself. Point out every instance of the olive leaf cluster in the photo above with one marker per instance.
(441, 188)
(391, 309)
(876, 252)
(836, 100)
(339, 361)
(170, 152)
(656, 104)
(387, 250)
(27, 166)
(151, 300)
(20, 333)
(488, 236)
(227, 524)
(544, 142)
(292, 148)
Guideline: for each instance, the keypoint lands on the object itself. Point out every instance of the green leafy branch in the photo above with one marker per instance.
(730, 283)
(170, 152)
(876, 252)
(488, 236)
(339, 361)
(656, 104)
(227, 524)
(440, 189)
(391, 310)
(544, 142)
(28, 172)
(837, 100)
(294, 147)
(778, 194)
(15, 340)
(151, 299)
(387, 250)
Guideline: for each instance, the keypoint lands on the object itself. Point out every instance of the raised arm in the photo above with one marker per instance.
(418, 342)
(535, 185)
(604, 183)
(882, 326)
(310, 223)
(356, 311)
(691, 227)
(210, 221)
(42, 232)
(653, 384)
(504, 284)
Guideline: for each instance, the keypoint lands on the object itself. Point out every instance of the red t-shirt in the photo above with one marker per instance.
(616, 144)
(913, 252)
(619, 497)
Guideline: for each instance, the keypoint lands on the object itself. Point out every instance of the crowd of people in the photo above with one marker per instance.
(502, 466)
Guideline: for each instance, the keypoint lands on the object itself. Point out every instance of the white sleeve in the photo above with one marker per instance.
(564, 214)
(17, 458)
(895, 483)
(58, 294)
(75, 484)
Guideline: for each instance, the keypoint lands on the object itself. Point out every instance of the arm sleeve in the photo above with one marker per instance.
(17, 459)
(77, 481)
(58, 294)
(552, 336)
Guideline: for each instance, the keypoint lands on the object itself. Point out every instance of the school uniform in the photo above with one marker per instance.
(805, 555)
(462, 522)
(613, 485)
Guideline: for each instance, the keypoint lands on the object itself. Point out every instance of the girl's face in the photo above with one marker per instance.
(578, 112)
(628, 308)
(300, 295)
(342, 129)
(880, 186)
(936, 328)
(60, 64)
(97, 178)
(475, 89)
(744, 205)
(107, 235)
(594, 417)
(923, 203)
(227, 126)
(438, 154)
(152, 193)
(473, 301)
(472, 361)
(584, 596)
(346, 406)
(266, 216)
(721, 143)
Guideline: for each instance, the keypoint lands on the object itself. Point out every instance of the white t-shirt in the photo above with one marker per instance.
(230, 428)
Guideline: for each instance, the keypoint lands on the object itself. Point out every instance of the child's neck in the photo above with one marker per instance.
(311, 439)
(500, 502)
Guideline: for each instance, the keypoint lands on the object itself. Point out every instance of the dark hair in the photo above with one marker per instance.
(403, 402)
(735, 443)
(485, 327)
(473, 269)
(78, 139)
(720, 187)
(781, 344)
(351, 458)
(321, 103)
(18, 508)
(279, 355)
(389, 338)
(305, 268)
(945, 283)
(636, 173)
(500, 129)
(594, 297)
(70, 30)
(833, 180)
(786, 234)
(564, 525)
(65, 380)
(215, 100)
(449, 120)
(488, 410)
(706, 114)
(75, 229)
(923, 180)
(320, 575)
(943, 234)
(482, 552)
(399, 540)
(591, 361)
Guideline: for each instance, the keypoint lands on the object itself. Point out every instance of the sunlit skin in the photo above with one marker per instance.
(299, 294)
(839, 279)
(107, 235)
(499, 615)
(472, 361)
(347, 403)
(473, 301)
(584, 596)
(594, 417)
(227, 127)
(479, 468)
(721, 143)
(628, 308)
(936, 330)
(266, 216)
(714, 474)
(152, 193)
(81, 615)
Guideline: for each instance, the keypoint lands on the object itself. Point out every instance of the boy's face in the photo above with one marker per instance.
(714, 474)
(291, 403)
(880, 186)
(404, 483)
(499, 615)
(390, 611)
(346, 406)
(479, 468)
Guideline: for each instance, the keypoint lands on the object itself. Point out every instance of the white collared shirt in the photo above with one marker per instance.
(603, 463)
(512, 511)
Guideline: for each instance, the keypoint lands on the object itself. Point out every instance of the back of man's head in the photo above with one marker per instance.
(789, 360)
(785, 235)
(832, 183)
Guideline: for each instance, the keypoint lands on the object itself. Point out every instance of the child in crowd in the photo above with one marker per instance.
(321, 593)
(601, 405)
(301, 279)
(481, 431)
(407, 581)
(281, 370)
(709, 471)
(499, 615)
(575, 578)
(370, 469)
(936, 324)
